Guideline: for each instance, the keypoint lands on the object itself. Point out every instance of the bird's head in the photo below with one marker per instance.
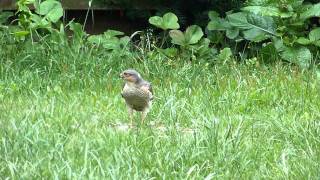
(130, 75)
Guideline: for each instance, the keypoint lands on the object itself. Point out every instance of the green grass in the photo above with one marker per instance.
(57, 112)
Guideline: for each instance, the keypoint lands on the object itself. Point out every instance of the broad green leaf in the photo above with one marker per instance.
(156, 21)
(259, 27)
(255, 35)
(298, 55)
(278, 44)
(263, 11)
(111, 43)
(303, 41)
(51, 9)
(225, 55)
(314, 35)
(177, 37)
(193, 34)
(317, 43)
(95, 39)
(218, 24)
(168, 21)
(112, 33)
(314, 11)
(232, 33)
(213, 15)
(239, 20)
(125, 40)
(170, 52)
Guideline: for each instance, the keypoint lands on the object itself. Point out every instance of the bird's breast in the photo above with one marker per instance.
(135, 97)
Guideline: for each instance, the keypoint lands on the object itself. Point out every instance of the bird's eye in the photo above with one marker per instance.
(126, 74)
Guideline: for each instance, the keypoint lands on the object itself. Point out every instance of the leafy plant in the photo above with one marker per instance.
(4, 16)
(283, 23)
(168, 21)
(253, 27)
(46, 14)
(110, 40)
(192, 35)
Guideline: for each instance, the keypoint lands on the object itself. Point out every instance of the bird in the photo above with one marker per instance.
(137, 93)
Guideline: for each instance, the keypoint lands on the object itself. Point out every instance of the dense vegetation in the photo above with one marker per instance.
(235, 97)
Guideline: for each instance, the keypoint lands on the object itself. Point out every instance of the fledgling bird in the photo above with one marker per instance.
(137, 93)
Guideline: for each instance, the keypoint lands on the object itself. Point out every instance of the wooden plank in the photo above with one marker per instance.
(83, 4)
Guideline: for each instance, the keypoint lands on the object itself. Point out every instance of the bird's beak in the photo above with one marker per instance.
(121, 75)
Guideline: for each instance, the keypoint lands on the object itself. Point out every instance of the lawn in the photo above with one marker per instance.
(62, 116)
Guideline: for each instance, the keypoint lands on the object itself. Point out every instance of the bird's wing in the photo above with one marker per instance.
(146, 86)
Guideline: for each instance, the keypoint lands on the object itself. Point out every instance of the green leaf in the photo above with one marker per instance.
(250, 21)
(156, 21)
(303, 41)
(124, 40)
(177, 37)
(278, 44)
(239, 20)
(113, 33)
(193, 34)
(95, 39)
(257, 28)
(170, 52)
(263, 11)
(225, 55)
(314, 35)
(255, 35)
(168, 21)
(218, 24)
(21, 33)
(213, 15)
(298, 55)
(232, 33)
(111, 43)
(316, 43)
(314, 11)
(51, 9)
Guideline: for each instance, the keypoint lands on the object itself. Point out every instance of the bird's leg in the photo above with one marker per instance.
(130, 112)
(143, 115)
